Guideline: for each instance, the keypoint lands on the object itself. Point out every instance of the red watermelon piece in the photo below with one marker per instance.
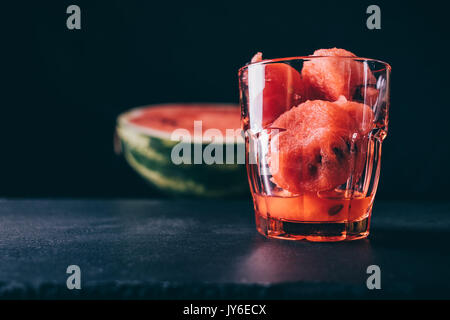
(283, 89)
(312, 152)
(363, 118)
(328, 78)
(369, 95)
(319, 144)
(361, 114)
(257, 57)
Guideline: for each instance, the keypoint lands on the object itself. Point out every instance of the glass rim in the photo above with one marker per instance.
(386, 65)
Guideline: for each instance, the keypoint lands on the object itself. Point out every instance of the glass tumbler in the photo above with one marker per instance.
(314, 127)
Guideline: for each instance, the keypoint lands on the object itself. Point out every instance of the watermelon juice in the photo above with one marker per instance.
(314, 128)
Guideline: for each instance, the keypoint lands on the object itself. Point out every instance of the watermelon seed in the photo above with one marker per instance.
(338, 152)
(319, 158)
(312, 169)
(349, 146)
(335, 210)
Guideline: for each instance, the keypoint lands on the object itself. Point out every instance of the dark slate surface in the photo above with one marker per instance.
(139, 249)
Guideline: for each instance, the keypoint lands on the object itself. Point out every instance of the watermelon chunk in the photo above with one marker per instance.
(318, 145)
(361, 114)
(363, 118)
(312, 152)
(283, 89)
(328, 78)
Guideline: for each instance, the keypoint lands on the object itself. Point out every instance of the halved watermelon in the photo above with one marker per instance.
(145, 136)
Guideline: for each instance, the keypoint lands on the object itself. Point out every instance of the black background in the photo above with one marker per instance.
(63, 89)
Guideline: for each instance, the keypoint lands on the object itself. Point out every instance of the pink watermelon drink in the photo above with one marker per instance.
(314, 128)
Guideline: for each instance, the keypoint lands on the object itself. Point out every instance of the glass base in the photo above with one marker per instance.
(313, 231)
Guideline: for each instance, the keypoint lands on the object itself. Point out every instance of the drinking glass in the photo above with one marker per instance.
(314, 127)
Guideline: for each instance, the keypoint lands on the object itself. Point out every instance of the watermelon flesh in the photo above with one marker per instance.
(320, 144)
(329, 78)
(167, 118)
(283, 88)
